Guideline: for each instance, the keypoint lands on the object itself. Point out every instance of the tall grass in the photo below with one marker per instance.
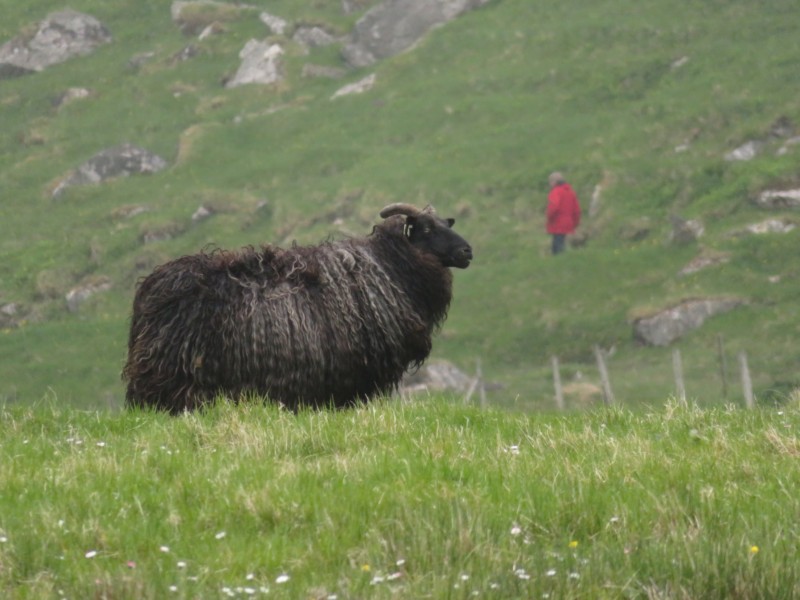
(422, 499)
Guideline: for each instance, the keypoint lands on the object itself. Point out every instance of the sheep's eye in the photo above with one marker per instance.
(426, 230)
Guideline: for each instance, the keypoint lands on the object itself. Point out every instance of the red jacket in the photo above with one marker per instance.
(563, 210)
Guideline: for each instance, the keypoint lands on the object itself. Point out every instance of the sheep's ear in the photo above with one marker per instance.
(450, 222)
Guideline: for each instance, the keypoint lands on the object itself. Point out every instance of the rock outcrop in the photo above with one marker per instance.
(396, 25)
(81, 293)
(765, 227)
(666, 326)
(313, 37)
(119, 161)
(779, 199)
(59, 37)
(436, 376)
(261, 63)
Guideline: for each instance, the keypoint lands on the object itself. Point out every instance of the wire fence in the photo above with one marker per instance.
(478, 384)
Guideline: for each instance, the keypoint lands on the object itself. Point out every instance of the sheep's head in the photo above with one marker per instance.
(432, 234)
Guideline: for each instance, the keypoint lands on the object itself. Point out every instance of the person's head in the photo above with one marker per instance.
(555, 179)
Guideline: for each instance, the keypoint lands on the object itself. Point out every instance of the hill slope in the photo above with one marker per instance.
(472, 119)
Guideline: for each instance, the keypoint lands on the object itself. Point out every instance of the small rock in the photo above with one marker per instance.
(313, 37)
(213, 29)
(10, 310)
(138, 60)
(81, 293)
(677, 64)
(745, 152)
(261, 63)
(359, 87)
(185, 54)
(768, 226)
(436, 376)
(703, 262)
(779, 199)
(275, 24)
(201, 214)
(70, 95)
(10, 315)
(787, 145)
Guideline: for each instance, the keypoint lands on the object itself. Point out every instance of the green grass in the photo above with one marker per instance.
(473, 119)
(415, 500)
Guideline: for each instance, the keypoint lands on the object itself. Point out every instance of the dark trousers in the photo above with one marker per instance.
(559, 243)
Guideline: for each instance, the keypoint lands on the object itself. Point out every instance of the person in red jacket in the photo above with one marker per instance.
(563, 211)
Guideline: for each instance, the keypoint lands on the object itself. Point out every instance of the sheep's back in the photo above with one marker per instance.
(304, 325)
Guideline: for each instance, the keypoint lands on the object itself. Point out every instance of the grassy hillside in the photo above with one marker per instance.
(472, 120)
(418, 500)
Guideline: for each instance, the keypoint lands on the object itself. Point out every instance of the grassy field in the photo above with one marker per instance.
(473, 120)
(423, 499)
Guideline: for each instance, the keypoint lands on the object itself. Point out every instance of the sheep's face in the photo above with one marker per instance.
(435, 235)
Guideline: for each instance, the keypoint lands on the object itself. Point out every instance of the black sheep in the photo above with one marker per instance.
(325, 325)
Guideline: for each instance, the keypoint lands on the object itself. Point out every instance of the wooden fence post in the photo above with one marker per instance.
(677, 369)
(608, 395)
(723, 366)
(477, 384)
(557, 384)
(747, 383)
(481, 383)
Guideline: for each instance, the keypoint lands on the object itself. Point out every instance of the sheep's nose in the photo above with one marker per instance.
(466, 252)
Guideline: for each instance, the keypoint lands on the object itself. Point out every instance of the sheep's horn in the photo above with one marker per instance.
(400, 208)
